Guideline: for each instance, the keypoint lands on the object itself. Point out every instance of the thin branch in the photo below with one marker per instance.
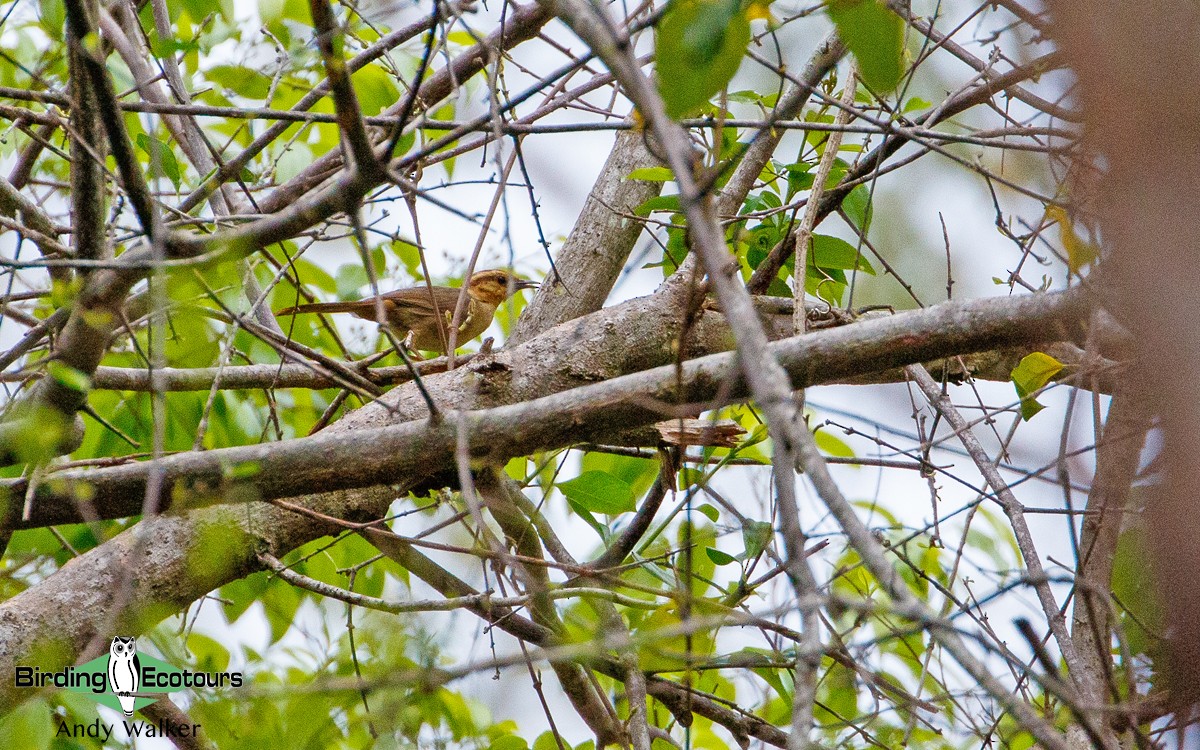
(1016, 516)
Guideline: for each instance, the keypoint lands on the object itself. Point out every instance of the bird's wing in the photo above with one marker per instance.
(416, 304)
(425, 299)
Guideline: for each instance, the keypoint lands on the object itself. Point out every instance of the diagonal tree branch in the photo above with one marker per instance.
(82, 26)
(87, 153)
(345, 101)
(591, 259)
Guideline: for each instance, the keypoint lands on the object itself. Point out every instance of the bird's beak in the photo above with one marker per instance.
(525, 284)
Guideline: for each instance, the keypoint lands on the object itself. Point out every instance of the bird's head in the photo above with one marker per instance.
(494, 286)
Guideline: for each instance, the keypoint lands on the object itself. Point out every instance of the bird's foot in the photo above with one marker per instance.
(409, 351)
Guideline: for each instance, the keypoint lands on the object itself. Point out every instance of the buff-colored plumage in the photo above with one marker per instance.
(421, 315)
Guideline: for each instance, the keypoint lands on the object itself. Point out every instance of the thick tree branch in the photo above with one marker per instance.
(13, 202)
(590, 260)
(361, 454)
(87, 160)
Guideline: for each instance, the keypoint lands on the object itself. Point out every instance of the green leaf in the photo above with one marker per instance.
(66, 375)
(698, 47)
(375, 88)
(857, 205)
(155, 149)
(876, 37)
(53, 16)
(199, 9)
(1033, 372)
(833, 252)
(509, 742)
(718, 557)
(599, 492)
(546, 741)
(839, 693)
(690, 476)
(1142, 611)
(756, 535)
(210, 655)
(170, 47)
(409, 255)
(314, 276)
(832, 444)
(351, 277)
(799, 177)
(638, 473)
(658, 203)
(829, 286)
(750, 96)
(240, 80)
(274, 12)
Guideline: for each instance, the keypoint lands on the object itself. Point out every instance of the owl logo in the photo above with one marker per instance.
(124, 671)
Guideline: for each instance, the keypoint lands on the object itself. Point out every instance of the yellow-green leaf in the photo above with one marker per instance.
(876, 37)
(832, 445)
(599, 492)
(698, 47)
(76, 380)
(1033, 372)
(652, 174)
(1080, 252)
(756, 535)
(375, 88)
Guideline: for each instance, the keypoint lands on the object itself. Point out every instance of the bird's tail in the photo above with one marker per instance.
(321, 307)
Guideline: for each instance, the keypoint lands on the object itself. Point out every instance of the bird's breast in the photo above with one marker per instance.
(476, 318)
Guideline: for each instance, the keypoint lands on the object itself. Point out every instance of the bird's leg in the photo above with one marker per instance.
(462, 327)
(449, 324)
(407, 343)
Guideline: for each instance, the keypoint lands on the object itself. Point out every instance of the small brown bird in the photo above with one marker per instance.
(422, 314)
